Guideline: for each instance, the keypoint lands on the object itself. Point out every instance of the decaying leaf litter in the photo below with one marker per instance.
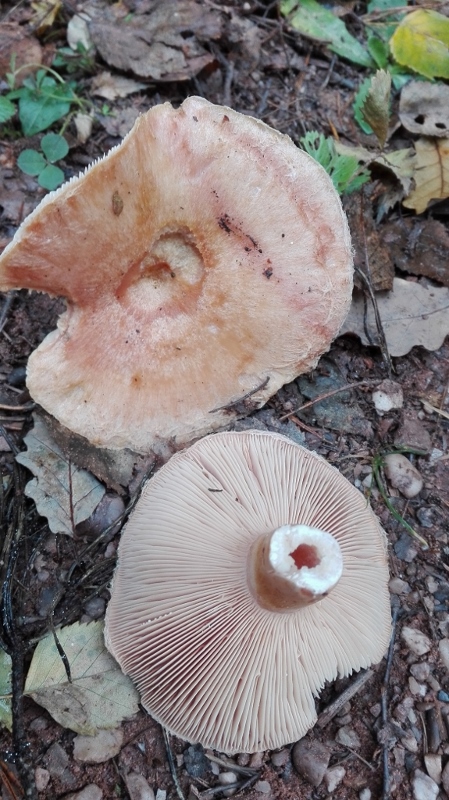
(389, 738)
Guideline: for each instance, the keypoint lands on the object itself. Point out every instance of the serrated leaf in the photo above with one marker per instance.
(431, 173)
(51, 177)
(412, 314)
(31, 162)
(359, 100)
(343, 169)
(317, 22)
(421, 43)
(376, 108)
(60, 490)
(7, 110)
(99, 695)
(5, 690)
(54, 147)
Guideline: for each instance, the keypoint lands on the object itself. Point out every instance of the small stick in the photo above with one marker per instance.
(241, 399)
(26, 407)
(305, 427)
(384, 703)
(171, 762)
(230, 765)
(326, 395)
(337, 704)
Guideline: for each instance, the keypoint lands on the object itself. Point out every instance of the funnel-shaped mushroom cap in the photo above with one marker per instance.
(204, 259)
(214, 662)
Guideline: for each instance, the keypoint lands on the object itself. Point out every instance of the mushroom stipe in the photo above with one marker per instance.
(205, 260)
(250, 572)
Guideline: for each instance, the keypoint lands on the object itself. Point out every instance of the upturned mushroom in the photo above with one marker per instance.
(250, 572)
(205, 262)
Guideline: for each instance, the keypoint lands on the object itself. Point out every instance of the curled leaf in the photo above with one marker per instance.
(431, 173)
(376, 108)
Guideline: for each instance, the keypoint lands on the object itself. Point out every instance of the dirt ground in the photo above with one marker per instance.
(396, 725)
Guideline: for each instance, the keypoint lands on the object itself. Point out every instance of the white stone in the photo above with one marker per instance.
(333, 777)
(387, 396)
(138, 788)
(410, 743)
(419, 689)
(433, 766)
(348, 738)
(420, 671)
(99, 748)
(398, 586)
(403, 475)
(424, 788)
(262, 786)
(417, 642)
(365, 794)
(161, 794)
(443, 646)
(90, 792)
(42, 778)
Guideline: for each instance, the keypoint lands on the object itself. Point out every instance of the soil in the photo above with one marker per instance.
(257, 66)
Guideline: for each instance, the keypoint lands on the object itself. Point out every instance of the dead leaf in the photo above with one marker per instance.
(98, 695)
(120, 123)
(165, 44)
(376, 107)
(424, 108)
(363, 229)
(45, 13)
(112, 86)
(24, 49)
(400, 162)
(412, 314)
(63, 493)
(418, 246)
(431, 174)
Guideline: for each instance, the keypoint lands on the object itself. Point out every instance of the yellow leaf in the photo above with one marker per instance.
(431, 173)
(45, 13)
(421, 42)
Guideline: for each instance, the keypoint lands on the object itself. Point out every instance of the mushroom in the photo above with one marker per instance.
(250, 572)
(205, 262)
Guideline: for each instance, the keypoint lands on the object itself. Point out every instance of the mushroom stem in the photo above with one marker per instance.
(293, 567)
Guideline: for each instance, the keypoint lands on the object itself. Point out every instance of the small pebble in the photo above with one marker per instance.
(375, 710)
(196, 763)
(405, 549)
(99, 748)
(420, 671)
(38, 724)
(398, 586)
(95, 607)
(161, 794)
(433, 766)
(365, 794)
(424, 515)
(17, 376)
(424, 788)
(262, 786)
(256, 760)
(345, 720)
(56, 760)
(417, 642)
(403, 475)
(410, 743)
(445, 778)
(412, 433)
(243, 759)
(90, 792)
(443, 696)
(388, 396)
(280, 758)
(42, 778)
(418, 689)
(227, 778)
(443, 646)
(138, 787)
(311, 759)
(348, 738)
(333, 777)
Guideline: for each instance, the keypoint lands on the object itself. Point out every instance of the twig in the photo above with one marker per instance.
(334, 707)
(240, 786)
(243, 398)
(394, 513)
(5, 310)
(328, 394)
(171, 762)
(307, 428)
(384, 701)
(26, 407)
(380, 330)
(231, 766)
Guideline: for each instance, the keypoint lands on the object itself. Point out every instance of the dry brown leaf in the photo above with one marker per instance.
(112, 86)
(424, 108)
(412, 314)
(431, 173)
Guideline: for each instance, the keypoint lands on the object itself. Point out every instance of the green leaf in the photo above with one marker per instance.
(358, 103)
(376, 108)
(54, 147)
(379, 51)
(313, 20)
(343, 170)
(37, 113)
(31, 162)
(421, 43)
(5, 690)
(384, 5)
(98, 696)
(7, 109)
(51, 177)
